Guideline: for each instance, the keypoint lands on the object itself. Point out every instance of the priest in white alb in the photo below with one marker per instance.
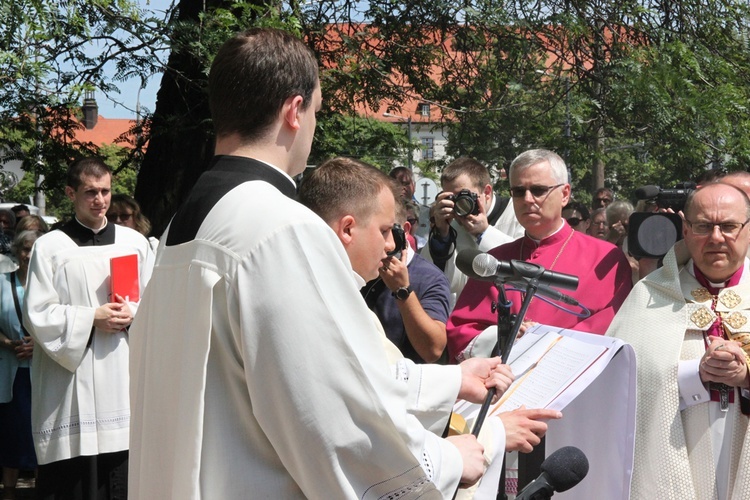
(688, 323)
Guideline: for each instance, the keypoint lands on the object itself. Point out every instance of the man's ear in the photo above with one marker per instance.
(291, 111)
(407, 227)
(344, 229)
(487, 192)
(70, 193)
(565, 194)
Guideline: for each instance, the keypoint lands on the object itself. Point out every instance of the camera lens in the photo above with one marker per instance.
(463, 206)
(465, 203)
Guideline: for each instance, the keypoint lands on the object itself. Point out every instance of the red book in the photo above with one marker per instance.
(123, 279)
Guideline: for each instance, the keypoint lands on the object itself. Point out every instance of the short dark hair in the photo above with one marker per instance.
(252, 75)
(90, 166)
(393, 174)
(578, 207)
(344, 186)
(473, 169)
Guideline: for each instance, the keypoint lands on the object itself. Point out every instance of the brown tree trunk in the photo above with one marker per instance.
(181, 138)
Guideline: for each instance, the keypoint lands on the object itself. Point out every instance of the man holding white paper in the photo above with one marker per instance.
(688, 322)
(80, 403)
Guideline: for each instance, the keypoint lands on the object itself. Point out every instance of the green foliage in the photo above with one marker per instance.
(50, 54)
(379, 143)
(631, 93)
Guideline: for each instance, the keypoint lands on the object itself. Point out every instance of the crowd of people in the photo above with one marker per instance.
(317, 350)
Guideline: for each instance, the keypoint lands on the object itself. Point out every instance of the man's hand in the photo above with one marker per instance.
(113, 316)
(524, 428)
(724, 363)
(394, 272)
(476, 224)
(479, 374)
(442, 212)
(25, 349)
(472, 454)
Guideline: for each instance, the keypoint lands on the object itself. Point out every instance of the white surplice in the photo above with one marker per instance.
(80, 404)
(257, 370)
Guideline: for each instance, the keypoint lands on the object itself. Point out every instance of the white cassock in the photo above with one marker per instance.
(256, 368)
(685, 447)
(80, 404)
(506, 229)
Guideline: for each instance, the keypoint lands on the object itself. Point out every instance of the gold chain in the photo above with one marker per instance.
(558, 253)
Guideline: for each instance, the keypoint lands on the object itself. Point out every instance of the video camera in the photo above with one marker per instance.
(652, 234)
(667, 198)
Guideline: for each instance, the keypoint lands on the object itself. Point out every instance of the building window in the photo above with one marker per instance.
(428, 148)
(424, 109)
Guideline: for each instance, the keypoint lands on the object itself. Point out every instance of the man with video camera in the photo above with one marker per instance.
(467, 214)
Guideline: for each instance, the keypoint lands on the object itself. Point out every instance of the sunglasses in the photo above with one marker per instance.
(574, 221)
(536, 191)
(123, 217)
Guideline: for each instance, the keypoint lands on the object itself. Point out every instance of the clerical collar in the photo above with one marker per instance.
(280, 171)
(84, 236)
(555, 232)
(93, 230)
(712, 287)
(359, 280)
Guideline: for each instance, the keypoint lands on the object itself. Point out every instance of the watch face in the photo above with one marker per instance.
(403, 293)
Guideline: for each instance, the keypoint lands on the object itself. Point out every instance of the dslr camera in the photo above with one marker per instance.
(667, 198)
(464, 203)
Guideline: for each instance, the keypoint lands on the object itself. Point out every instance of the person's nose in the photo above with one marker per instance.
(716, 235)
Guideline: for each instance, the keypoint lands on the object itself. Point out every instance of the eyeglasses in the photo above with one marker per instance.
(536, 191)
(413, 221)
(727, 228)
(574, 221)
(123, 217)
(603, 200)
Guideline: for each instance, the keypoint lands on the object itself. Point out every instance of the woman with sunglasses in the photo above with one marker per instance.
(125, 211)
(577, 216)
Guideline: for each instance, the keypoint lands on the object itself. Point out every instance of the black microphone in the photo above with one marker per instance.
(483, 266)
(647, 192)
(561, 471)
(553, 294)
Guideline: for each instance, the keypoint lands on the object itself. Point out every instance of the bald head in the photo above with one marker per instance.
(716, 232)
(740, 180)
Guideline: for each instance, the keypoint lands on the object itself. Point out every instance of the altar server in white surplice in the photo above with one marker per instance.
(688, 323)
(79, 373)
(257, 370)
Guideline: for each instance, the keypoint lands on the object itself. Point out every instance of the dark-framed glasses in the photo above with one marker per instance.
(536, 191)
(123, 216)
(727, 228)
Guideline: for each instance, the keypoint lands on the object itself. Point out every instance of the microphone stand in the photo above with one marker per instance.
(507, 328)
(508, 325)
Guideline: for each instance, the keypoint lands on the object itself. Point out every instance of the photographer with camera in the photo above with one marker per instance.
(410, 298)
(467, 214)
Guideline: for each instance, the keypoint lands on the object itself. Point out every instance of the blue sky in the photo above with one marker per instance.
(129, 95)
